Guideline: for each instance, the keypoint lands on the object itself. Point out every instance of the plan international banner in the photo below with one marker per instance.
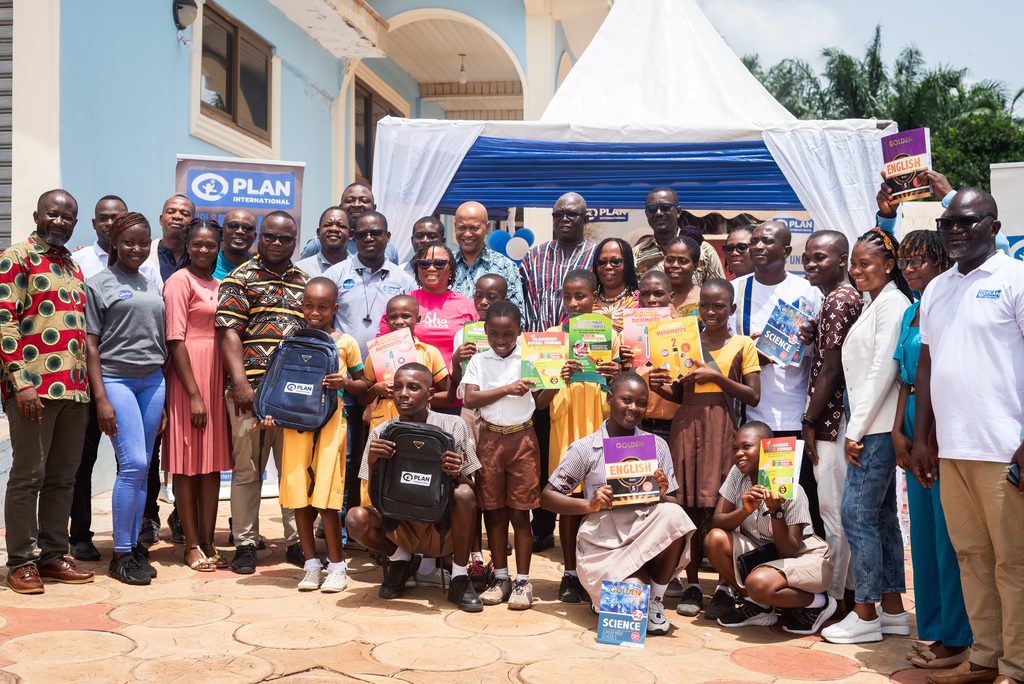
(216, 185)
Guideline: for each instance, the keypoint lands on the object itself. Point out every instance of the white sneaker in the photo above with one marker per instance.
(897, 624)
(336, 581)
(438, 577)
(657, 623)
(311, 580)
(853, 630)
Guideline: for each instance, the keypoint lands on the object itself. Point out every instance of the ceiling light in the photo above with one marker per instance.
(462, 69)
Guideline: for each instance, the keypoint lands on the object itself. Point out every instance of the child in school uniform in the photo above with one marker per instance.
(577, 410)
(749, 516)
(705, 424)
(311, 481)
(508, 482)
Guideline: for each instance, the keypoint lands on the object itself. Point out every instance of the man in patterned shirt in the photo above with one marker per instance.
(474, 258)
(260, 304)
(45, 392)
(824, 423)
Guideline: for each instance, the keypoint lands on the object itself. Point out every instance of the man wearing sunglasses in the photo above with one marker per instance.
(237, 236)
(970, 395)
(474, 258)
(260, 303)
(662, 210)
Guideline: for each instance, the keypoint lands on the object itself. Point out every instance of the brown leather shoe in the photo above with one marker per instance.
(963, 674)
(25, 579)
(64, 570)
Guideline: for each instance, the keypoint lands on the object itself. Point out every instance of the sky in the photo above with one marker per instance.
(985, 40)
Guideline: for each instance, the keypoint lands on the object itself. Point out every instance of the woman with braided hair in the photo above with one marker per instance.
(125, 353)
(868, 508)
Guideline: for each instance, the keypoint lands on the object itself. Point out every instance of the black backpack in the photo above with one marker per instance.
(292, 390)
(412, 485)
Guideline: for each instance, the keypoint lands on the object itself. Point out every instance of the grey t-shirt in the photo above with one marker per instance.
(127, 313)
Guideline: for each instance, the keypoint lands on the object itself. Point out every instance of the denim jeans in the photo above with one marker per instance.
(869, 519)
(138, 404)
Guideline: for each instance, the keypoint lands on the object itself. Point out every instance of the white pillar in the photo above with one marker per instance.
(540, 81)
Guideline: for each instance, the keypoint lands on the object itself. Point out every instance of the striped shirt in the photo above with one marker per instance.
(543, 269)
(453, 425)
(584, 462)
(264, 308)
(758, 525)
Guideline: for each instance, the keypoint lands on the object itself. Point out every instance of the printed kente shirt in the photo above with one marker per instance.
(839, 311)
(264, 308)
(42, 322)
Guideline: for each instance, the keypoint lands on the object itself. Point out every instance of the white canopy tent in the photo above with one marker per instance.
(657, 76)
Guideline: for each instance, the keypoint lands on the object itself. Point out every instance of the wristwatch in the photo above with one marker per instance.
(779, 514)
(806, 421)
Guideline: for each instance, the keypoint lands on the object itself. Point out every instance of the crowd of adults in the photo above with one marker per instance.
(915, 359)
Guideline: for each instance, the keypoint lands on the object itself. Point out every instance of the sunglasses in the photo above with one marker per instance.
(239, 225)
(663, 208)
(274, 237)
(914, 262)
(438, 264)
(964, 223)
(614, 261)
(571, 215)
(739, 248)
(376, 234)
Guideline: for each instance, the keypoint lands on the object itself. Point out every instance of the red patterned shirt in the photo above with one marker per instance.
(839, 311)
(42, 322)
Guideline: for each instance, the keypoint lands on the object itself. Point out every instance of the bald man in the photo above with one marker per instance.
(474, 258)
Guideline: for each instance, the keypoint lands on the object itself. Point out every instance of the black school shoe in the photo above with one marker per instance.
(124, 569)
(462, 594)
(293, 554)
(748, 614)
(690, 602)
(543, 543)
(244, 562)
(395, 575)
(805, 621)
(721, 603)
(177, 531)
(570, 590)
(141, 555)
(85, 551)
(149, 532)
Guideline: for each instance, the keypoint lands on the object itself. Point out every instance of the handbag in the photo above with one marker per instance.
(746, 562)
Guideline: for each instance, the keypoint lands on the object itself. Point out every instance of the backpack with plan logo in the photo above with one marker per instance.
(411, 485)
(292, 390)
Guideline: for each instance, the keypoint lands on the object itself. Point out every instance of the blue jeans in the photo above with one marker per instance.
(138, 404)
(869, 518)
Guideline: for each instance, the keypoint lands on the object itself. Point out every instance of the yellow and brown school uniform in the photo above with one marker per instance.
(313, 467)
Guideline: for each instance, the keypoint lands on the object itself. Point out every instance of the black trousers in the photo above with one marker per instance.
(810, 485)
(357, 443)
(543, 522)
(81, 501)
(152, 510)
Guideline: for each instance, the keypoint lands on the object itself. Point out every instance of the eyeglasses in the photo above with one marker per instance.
(964, 223)
(376, 234)
(571, 215)
(739, 248)
(663, 208)
(438, 264)
(239, 225)
(274, 237)
(614, 261)
(914, 262)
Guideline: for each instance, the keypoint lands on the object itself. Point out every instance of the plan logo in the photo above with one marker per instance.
(230, 188)
(299, 388)
(418, 479)
(209, 187)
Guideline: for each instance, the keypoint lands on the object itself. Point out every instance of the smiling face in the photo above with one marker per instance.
(239, 231)
(471, 228)
(655, 291)
(434, 270)
(202, 248)
(747, 450)
(319, 305)
(971, 237)
(627, 402)
(823, 260)
(56, 215)
(662, 213)
(133, 247)
(502, 334)
(412, 390)
(611, 267)
(919, 270)
(869, 269)
(358, 200)
(569, 218)
(402, 312)
(371, 238)
(277, 241)
(333, 231)
(577, 298)
(737, 253)
(103, 217)
(175, 217)
(679, 264)
(715, 306)
(769, 247)
(426, 232)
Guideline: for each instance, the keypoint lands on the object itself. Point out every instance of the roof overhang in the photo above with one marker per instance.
(348, 29)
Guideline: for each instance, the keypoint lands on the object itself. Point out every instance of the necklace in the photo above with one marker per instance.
(612, 300)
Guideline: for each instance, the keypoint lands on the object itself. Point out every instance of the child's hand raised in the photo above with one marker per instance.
(382, 389)
(659, 377)
(571, 366)
(703, 373)
(464, 353)
(626, 355)
(609, 369)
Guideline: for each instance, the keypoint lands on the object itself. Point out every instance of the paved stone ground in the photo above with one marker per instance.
(198, 627)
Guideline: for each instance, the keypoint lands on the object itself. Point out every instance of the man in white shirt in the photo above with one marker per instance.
(93, 258)
(970, 389)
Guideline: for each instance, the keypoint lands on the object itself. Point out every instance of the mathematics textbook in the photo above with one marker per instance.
(634, 331)
(629, 464)
(780, 339)
(390, 352)
(622, 613)
(778, 468)
(907, 155)
(675, 345)
(590, 340)
(473, 331)
(543, 355)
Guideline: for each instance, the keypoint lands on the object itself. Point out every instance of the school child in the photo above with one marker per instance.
(748, 517)
(577, 411)
(508, 482)
(705, 424)
(313, 469)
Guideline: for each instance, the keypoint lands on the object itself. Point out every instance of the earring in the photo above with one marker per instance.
(888, 270)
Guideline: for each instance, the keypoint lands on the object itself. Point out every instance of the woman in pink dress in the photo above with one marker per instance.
(195, 445)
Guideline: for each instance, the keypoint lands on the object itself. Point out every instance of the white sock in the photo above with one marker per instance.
(400, 554)
(722, 587)
(521, 578)
(312, 564)
(570, 573)
(501, 573)
(658, 590)
(476, 556)
(427, 566)
(340, 566)
(819, 601)
(459, 570)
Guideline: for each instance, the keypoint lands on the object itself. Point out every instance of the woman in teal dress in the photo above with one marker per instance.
(941, 616)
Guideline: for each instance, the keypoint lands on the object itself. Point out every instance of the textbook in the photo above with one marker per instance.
(390, 352)
(590, 340)
(778, 467)
(629, 465)
(780, 339)
(543, 355)
(622, 613)
(675, 345)
(907, 155)
(473, 331)
(634, 331)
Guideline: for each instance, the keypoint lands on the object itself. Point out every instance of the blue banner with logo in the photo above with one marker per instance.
(216, 185)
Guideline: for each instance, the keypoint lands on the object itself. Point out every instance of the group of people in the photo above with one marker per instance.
(914, 359)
